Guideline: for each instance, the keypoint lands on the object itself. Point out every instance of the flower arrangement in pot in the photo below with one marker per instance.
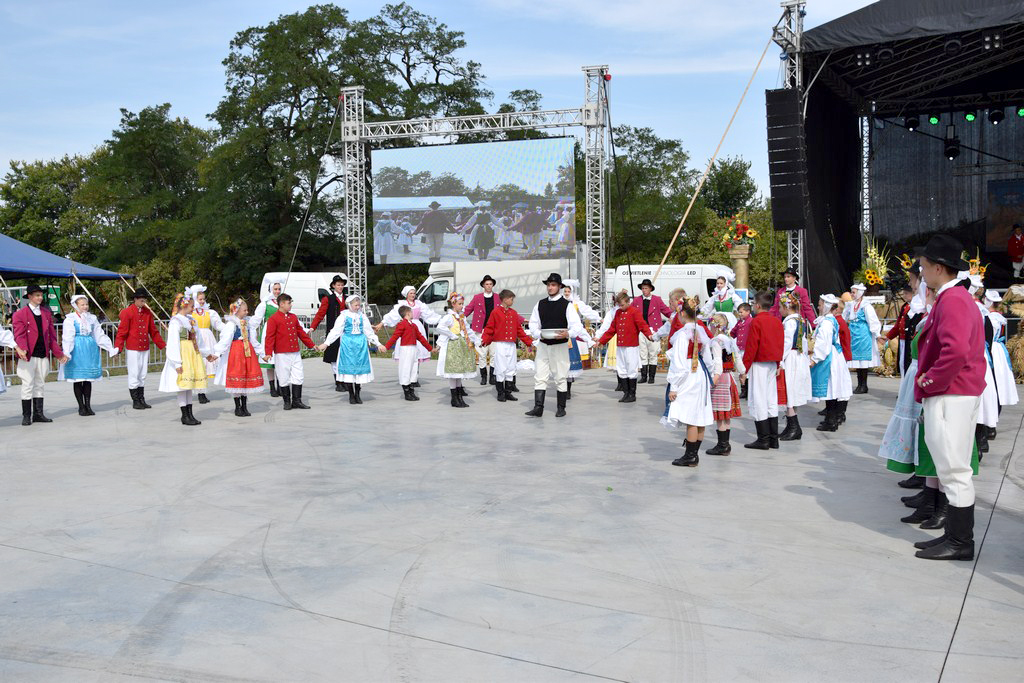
(875, 271)
(737, 233)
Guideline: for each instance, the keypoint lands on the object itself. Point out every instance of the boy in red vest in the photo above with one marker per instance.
(406, 334)
(626, 326)
(761, 357)
(504, 328)
(282, 341)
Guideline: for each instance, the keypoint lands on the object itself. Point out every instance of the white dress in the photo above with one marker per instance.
(797, 365)
(988, 412)
(353, 351)
(840, 385)
(169, 376)
(420, 313)
(445, 335)
(384, 238)
(850, 313)
(405, 231)
(707, 309)
(1002, 368)
(223, 347)
(692, 405)
(209, 336)
(88, 324)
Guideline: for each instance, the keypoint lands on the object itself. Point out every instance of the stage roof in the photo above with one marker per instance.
(20, 260)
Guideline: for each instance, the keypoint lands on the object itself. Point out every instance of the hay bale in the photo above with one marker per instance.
(1015, 345)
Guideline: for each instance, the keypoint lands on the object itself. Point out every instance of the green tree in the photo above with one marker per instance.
(704, 244)
(729, 187)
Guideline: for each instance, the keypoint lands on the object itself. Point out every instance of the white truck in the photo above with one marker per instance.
(697, 279)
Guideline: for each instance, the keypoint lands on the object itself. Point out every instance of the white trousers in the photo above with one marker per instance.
(649, 351)
(1017, 267)
(138, 367)
(762, 391)
(504, 360)
(627, 361)
(553, 365)
(408, 364)
(949, 434)
(288, 368)
(484, 354)
(32, 373)
(435, 241)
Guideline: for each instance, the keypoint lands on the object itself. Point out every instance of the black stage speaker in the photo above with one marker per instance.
(787, 160)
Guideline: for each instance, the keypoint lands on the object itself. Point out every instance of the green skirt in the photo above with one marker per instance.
(925, 467)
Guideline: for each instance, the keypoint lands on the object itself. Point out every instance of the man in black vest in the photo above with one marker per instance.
(331, 307)
(552, 323)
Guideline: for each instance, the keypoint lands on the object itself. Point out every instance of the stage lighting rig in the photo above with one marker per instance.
(970, 115)
(913, 122)
(952, 148)
(934, 119)
(996, 116)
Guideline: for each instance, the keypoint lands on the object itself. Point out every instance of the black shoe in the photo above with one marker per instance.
(136, 403)
(286, 394)
(37, 411)
(238, 407)
(538, 403)
(514, 389)
(245, 406)
(458, 396)
(629, 395)
(958, 544)
(407, 392)
(142, 398)
(508, 391)
(297, 397)
(652, 373)
(491, 377)
(841, 412)
(743, 391)
(203, 399)
(925, 511)
(916, 500)
(763, 442)
(26, 412)
(921, 545)
(191, 416)
(981, 436)
(77, 389)
(792, 432)
(643, 374)
(691, 458)
(500, 389)
(562, 397)
(831, 421)
(412, 392)
(415, 385)
(483, 376)
(912, 482)
(773, 432)
(462, 391)
(722, 447)
(938, 518)
(992, 433)
(455, 398)
(275, 391)
(339, 386)
(862, 382)
(620, 385)
(352, 394)
(568, 389)
(359, 393)
(87, 396)
(185, 419)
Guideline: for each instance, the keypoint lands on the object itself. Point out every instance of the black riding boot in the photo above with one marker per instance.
(500, 388)
(538, 403)
(26, 412)
(359, 393)
(37, 411)
(77, 389)
(483, 376)
(981, 436)
(958, 543)
(87, 395)
(238, 406)
(286, 394)
(491, 378)
(142, 397)
(792, 432)
(652, 373)
(841, 412)
(620, 385)
(456, 403)
(245, 406)
(831, 421)
(722, 447)
(763, 442)
(938, 518)
(513, 388)
(339, 386)
(862, 381)
(508, 391)
(136, 403)
(562, 397)
(275, 391)
(352, 394)
(297, 397)
(568, 389)
(643, 374)
(773, 432)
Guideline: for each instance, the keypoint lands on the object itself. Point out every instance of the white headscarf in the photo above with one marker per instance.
(406, 290)
(269, 294)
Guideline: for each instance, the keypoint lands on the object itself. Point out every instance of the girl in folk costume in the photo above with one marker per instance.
(185, 370)
(239, 350)
(480, 238)
(727, 361)
(354, 334)
(830, 375)
(566, 226)
(670, 327)
(456, 359)
(82, 339)
(723, 300)
(421, 313)
(1006, 383)
(864, 330)
(207, 320)
(384, 233)
(405, 230)
(627, 326)
(579, 348)
(988, 412)
(408, 339)
(267, 308)
(690, 381)
(795, 376)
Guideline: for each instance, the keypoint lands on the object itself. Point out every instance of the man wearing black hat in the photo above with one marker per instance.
(950, 380)
(433, 225)
(652, 308)
(36, 337)
(331, 307)
(791, 288)
(552, 323)
(135, 331)
(479, 310)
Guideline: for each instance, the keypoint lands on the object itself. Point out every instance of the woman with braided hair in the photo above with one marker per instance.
(239, 371)
(184, 370)
(456, 360)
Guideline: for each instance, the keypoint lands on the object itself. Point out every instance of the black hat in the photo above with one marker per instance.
(31, 289)
(140, 293)
(790, 271)
(435, 205)
(647, 281)
(944, 249)
(554, 277)
(338, 278)
(486, 278)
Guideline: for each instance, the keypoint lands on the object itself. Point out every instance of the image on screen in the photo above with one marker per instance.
(490, 201)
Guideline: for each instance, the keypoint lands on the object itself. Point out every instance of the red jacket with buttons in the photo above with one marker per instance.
(505, 325)
(844, 338)
(284, 333)
(408, 334)
(627, 326)
(766, 340)
(136, 328)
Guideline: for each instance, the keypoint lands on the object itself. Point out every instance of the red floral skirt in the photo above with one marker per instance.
(244, 375)
(725, 398)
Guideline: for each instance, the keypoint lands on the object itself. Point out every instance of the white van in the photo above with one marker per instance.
(697, 279)
(306, 290)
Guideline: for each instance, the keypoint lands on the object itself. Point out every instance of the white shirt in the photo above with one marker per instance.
(572, 318)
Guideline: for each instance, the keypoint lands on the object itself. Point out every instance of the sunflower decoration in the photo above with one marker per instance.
(871, 277)
(737, 233)
(906, 262)
(976, 267)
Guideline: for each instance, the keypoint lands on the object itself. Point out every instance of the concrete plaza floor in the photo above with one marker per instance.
(395, 541)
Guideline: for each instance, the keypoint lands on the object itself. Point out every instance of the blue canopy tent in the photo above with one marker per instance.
(22, 261)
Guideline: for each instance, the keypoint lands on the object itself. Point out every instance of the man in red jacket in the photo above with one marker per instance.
(284, 331)
(950, 380)
(135, 331)
(762, 357)
(36, 338)
(1015, 249)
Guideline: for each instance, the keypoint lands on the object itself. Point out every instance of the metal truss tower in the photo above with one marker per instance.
(595, 118)
(353, 170)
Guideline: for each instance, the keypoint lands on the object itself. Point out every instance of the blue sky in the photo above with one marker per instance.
(678, 66)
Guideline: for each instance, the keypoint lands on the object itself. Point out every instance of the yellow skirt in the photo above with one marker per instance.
(193, 369)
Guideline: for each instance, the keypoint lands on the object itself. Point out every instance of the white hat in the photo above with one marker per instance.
(77, 297)
(353, 299)
(198, 288)
(990, 294)
(977, 282)
(574, 284)
(859, 286)
(829, 298)
(406, 290)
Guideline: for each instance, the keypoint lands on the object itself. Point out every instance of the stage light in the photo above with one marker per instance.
(934, 119)
(953, 47)
(1020, 112)
(913, 123)
(995, 116)
(607, 77)
(952, 149)
(886, 54)
(863, 59)
(970, 115)
(992, 41)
